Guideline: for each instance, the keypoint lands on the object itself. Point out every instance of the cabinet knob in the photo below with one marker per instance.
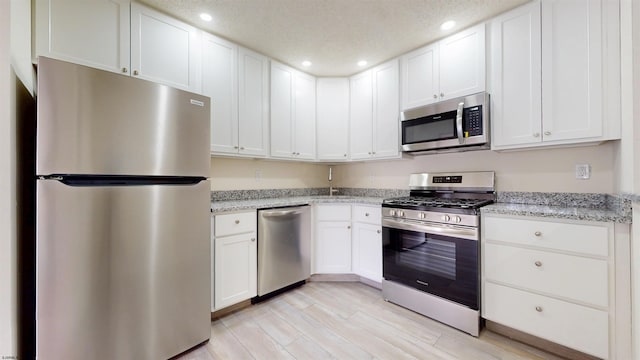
(366, 214)
(537, 233)
(379, 231)
(547, 132)
(539, 308)
(536, 134)
(348, 226)
(441, 94)
(253, 239)
(345, 155)
(124, 70)
(373, 152)
(538, 263)
(135, 72)
(435, 96)
(241, 147)
(369, 153)
(235, 147)
(237, 222)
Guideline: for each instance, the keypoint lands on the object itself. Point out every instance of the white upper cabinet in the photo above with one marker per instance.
(450, 68)
(253, 101)
(556, 74)
(236, 79)
(332, 125)
(219, 82)
(374, 113)
(420, 77)
(164, 49)
(462, 63)
(91, 33)
(293, 112)
(119, 36)
(515, 76)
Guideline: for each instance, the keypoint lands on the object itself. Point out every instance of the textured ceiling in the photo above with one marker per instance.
(333, 34)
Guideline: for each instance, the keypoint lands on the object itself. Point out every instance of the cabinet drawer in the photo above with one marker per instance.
(367, 214)
(568, 276)
(575, 326)
(333, 212)
(229, 224)
(580, 238)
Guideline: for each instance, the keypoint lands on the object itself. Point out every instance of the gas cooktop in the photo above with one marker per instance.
(436, 202)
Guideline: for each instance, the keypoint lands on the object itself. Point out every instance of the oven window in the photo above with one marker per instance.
(438, 127)
(430, 255)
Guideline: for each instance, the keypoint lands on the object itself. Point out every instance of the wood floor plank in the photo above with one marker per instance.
(347, 321)
(224, 345)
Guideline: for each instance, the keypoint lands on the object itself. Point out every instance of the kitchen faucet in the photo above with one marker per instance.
(331, 189)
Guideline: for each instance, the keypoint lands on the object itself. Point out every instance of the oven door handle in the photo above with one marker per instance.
(459, 113)
(446, 230)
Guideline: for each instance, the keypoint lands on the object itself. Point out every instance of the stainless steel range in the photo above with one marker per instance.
(431, 246)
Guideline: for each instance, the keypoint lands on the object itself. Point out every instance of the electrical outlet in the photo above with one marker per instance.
(258, 175)
(583, 171)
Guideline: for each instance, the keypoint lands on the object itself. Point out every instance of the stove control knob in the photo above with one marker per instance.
(446, 218)
(392, 213)
(400, 213)
(422, 215)
(457, 219)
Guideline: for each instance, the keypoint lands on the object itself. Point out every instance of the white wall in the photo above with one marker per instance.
(549, 170)
(240, 174)
(7, 192)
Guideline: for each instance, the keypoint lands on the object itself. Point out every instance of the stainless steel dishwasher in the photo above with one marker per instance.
(284, 242)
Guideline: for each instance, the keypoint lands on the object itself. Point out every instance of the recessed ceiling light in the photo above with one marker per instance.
(362, 63)
(448, 25)
(306, 63)
(205, 17)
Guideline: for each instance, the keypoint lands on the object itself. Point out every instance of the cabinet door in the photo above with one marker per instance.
(516, 93)
(462, 63)
(572, 53)
(367, 251)
(219, 82)
(91, 33)
(361, 116)
(236, 271)
(420, 77)
(253, 98)
(333, 247)
(386, 113)
(281, 111)
(164, 50)
(332, 123)
(304, 116)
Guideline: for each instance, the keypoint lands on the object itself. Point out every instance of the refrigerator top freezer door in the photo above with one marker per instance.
(96, 122)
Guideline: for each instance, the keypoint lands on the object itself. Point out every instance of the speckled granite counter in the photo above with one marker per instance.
(235, 205)
(592, 207)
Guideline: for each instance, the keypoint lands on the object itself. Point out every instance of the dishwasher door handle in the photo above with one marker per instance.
(277, 213)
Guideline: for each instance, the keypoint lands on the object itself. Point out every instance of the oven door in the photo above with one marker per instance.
(436, 258)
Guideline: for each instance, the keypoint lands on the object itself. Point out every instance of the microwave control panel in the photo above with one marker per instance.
(472, 121)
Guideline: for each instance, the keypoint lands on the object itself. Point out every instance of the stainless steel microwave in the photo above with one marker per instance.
(459, 124)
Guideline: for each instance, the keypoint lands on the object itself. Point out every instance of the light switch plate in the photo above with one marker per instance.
(583, 171)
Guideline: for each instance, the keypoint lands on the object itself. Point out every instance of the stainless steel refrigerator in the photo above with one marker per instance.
(122, 216)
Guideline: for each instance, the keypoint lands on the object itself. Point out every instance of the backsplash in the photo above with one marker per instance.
(615, 203)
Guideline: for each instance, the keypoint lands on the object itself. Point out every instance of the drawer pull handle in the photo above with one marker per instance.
(237, 221)
(537, 233)
(539, 308)
(538, 263)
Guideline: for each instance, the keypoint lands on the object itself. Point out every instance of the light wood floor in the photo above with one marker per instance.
(335, 320)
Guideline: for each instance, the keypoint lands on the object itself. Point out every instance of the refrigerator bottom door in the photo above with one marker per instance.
(123, 272)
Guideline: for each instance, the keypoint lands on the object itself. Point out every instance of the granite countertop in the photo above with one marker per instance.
(235, 205)
(557, 212)
(592, 207)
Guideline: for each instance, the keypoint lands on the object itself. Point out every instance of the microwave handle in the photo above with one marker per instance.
(459, 122)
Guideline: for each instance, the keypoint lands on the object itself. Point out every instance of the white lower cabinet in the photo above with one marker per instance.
(551, 278)
(367, 242)
(333, 239)
(235, 258)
